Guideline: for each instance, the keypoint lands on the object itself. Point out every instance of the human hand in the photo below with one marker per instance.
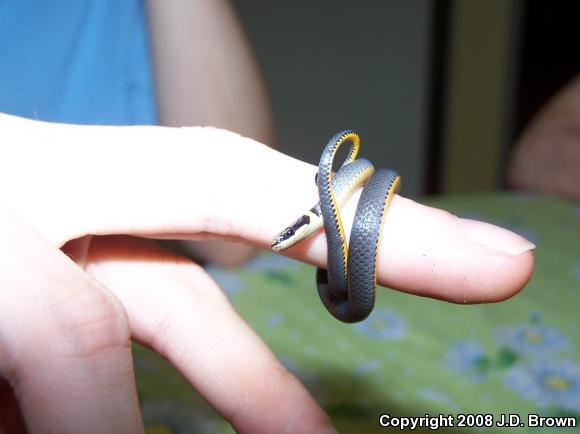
(65, 354)
(71, 182)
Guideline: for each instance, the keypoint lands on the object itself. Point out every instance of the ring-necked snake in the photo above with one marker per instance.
(347, 289)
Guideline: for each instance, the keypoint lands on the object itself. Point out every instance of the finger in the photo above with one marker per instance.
(430, 252)
(177, 309)
(252, 192)
(204, 182)
(64, 341)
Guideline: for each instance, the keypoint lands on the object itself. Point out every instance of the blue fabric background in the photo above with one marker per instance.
(76, 61)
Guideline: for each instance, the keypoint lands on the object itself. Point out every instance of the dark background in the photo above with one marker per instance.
(549, 54)
(382, 68)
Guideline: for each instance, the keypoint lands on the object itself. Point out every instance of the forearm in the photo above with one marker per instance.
(547, 154)
(204, 70)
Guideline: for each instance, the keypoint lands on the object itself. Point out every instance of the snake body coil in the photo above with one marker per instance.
(347, 289)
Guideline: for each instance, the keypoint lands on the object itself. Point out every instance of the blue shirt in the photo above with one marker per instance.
(76, 61)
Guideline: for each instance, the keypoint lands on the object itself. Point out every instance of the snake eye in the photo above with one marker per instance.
(289, 232)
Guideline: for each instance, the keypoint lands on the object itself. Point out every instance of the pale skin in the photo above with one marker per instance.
(547, 156)
(66, 321)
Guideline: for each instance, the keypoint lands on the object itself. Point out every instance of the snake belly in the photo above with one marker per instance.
(347, 289)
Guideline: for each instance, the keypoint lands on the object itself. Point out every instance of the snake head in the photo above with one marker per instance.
(291, 235)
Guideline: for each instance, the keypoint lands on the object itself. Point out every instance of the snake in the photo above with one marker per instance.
(347, 287)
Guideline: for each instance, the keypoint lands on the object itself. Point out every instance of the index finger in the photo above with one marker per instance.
(205, 182)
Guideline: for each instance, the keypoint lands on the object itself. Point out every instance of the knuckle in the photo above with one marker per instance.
(86, 324)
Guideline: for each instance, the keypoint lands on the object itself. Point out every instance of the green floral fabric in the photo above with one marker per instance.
(413, 356)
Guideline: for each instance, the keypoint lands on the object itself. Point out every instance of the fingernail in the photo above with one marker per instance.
(496, 238)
